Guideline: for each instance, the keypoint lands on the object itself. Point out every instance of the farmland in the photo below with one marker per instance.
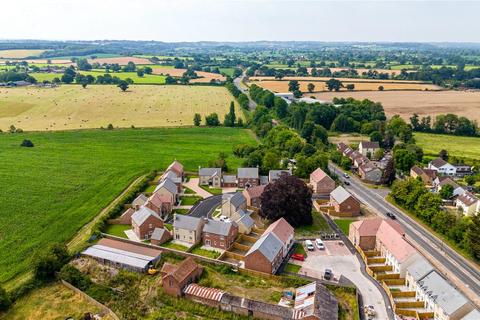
(19, 54)
(405, 103)
(468, 147)
(72, 107)
(205, 76)
(54, 301)
(120, 60)
(146, 79)
(53, 189)
(360, 85)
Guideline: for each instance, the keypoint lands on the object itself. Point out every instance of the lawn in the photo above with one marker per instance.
(214, 191)
(54, 301)
(174, 246)
(300, 249)
(319, 225)
(293, 268)
(71, 107)
(150, 188)
(181, 211)
(55, 188)
(189, 200)
(118, 230)
(344, 224)
(462, 147)
(205, 253)
(187, 190)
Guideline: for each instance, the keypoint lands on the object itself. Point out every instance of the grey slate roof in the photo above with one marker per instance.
(247, 173)
(236, 199)
(269, 245)
(210, 171)
(169, 185)
(172, 176)
(263, 180)
(158, 233)
(438, 162)
(143, 214)
(370, 144)
(443, 293)
(340, 194)
(229, 178)
(420, 268)
(217, 227)
(181, 221)
(276, 174)
(140, 200)
(244, 218)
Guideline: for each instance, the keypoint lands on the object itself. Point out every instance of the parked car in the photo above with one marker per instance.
(346, 175)
(391, 215)
(328, 274)
(298, 256)
(309, 245)
(346, 183)
(319, 244)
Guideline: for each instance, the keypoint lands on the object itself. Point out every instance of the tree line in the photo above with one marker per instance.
(445, 124)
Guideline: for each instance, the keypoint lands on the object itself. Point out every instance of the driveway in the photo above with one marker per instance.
(342, 262)
(193, 184)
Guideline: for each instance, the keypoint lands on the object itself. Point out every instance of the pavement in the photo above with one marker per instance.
(454, 266)
(344, 263)
(193, 184)
(132, 236)
(205, 207)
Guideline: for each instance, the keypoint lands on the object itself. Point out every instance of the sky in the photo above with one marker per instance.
(241, 20)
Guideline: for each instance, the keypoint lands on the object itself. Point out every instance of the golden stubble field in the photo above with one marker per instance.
(72, 107)
(406, 103)
(282, 86)
(19, 53)
(206, 76)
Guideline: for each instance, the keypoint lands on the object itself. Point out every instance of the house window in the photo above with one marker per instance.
(170, 283)
(222, 244)
(207, 242)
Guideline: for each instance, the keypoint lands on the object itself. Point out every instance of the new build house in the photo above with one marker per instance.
(187, 229)
(168, 189)
(363, 233)
(252, 196)
(344, 203)
(248, 177)
(219, 234)
(321, 182)
(232, 202)
(160, 203)
(144, 222)
(139, 201)
(210, 177)
(274, 175)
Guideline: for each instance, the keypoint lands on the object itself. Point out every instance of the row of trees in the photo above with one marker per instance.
(445, 124)
(412, 195)
(212, 119)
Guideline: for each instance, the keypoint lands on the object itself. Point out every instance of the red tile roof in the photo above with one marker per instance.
(282, 229)
(184, 269)
(369, 227)
(395, 243)
(157, 199)
(318, 175)
(176, 166)
(255, 192)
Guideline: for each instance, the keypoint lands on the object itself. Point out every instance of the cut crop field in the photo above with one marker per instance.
(282, 86)
(50, 191)
(205, 76)
(120, 60)
(468, 147)
(406, 103)
(323, 79)
(72, 107)
(19, 54)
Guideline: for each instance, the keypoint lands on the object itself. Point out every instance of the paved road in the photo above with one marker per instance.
(205, 207)
(238, 83)
(436, 248)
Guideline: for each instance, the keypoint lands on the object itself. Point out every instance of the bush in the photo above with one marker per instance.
(110, 126)
(50, 261)
(73, 276)
(27, 143)
(5, 300)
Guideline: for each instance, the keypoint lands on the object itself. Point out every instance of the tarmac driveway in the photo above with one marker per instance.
(339, 259)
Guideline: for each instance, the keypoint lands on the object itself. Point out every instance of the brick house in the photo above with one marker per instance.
(229, 181)
(210, 177)
(285, 232)
(232, 202)
(427, 175)
(321, 183)
(187, 229)
(160, 204)
(252, 196)
(168, 188)
(248, 177)
(177, 168)
(244, 221)
(368, 148)
(176, 277)
(219, 234)
(144, 222)
(265, 255)
(170, 175)
(363, 233)
(343, 202)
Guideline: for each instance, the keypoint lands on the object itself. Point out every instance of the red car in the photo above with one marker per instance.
(298, 256)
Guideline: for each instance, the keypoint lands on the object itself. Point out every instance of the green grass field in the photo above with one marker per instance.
(71, 107)
(50, 191)
(344, 224)
(466, 147)
(319, 225)
(117, 230)
(146, 79)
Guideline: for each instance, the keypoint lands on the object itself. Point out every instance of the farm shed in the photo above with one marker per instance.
(123, 255)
